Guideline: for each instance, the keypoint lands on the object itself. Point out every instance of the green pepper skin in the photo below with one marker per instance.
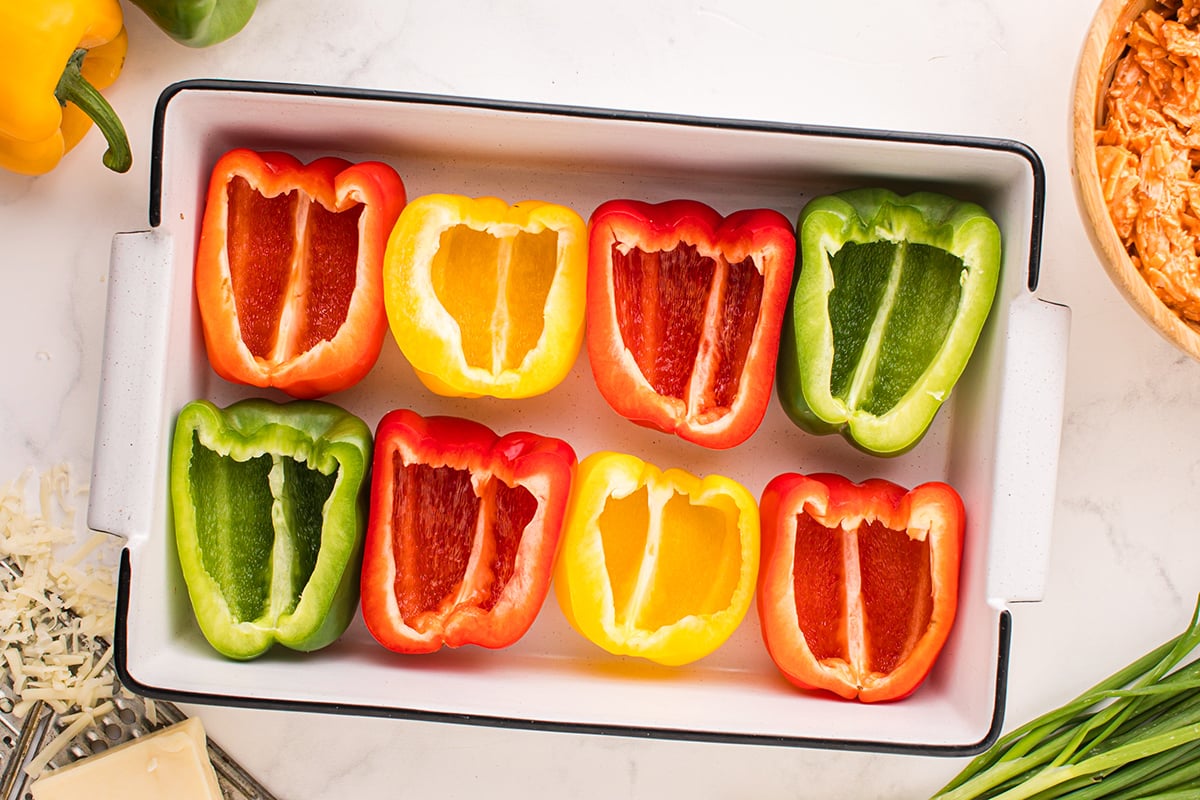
(888, 350)
(270, 508)
(199, 23)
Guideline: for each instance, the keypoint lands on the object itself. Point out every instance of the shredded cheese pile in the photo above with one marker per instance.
(56, 606)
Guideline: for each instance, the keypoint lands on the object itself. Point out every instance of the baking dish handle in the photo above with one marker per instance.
(1029, 431)
(136, 338)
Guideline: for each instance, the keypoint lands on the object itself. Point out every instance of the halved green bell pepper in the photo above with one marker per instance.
(888, 302)
(270, 504)
(199, 23)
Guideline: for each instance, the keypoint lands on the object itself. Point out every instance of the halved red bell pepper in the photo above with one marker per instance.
(859, 582)
(463, 529)
(684, 312)
(289, 274)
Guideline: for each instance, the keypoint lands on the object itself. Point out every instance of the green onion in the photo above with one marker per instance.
(1133, 736)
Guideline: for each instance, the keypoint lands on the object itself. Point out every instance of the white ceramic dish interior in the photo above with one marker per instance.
(996, 440)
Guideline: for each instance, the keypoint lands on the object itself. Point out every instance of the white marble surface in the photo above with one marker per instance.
(1124, 568)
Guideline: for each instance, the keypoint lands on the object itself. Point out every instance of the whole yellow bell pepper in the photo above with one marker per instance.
(55, 56)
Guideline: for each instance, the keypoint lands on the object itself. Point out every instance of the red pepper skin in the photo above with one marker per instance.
(684, 311)
(303, 313)
(463, 530)
(864, 612)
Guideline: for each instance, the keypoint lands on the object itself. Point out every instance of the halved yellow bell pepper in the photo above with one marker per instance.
(55, 56)
(659, 564)
(486, 298)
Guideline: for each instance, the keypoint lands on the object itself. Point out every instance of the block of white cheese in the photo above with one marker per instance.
(168, 763)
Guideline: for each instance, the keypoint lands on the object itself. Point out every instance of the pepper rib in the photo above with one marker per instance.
(501, 318)
(856, 646)
(656, 502)
(282, 549)
(650, 343)
(476, 580)
(295, 302)
(702, 378)
(864, 373)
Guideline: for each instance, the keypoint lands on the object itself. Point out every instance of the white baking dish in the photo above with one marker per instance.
(996, 441)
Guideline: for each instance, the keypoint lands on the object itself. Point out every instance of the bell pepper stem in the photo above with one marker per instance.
(74, 88)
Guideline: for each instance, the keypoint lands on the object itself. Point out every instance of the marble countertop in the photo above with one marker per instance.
(1125, 564)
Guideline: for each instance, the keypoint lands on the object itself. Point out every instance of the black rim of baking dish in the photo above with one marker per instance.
(634, 731)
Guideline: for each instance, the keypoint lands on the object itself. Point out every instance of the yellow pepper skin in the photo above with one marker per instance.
(484, 298)
(54, 56)
(657, 564)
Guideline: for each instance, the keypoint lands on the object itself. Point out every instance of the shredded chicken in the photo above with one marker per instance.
(1148, 151)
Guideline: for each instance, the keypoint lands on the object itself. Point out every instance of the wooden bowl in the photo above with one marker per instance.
(1101, 50)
